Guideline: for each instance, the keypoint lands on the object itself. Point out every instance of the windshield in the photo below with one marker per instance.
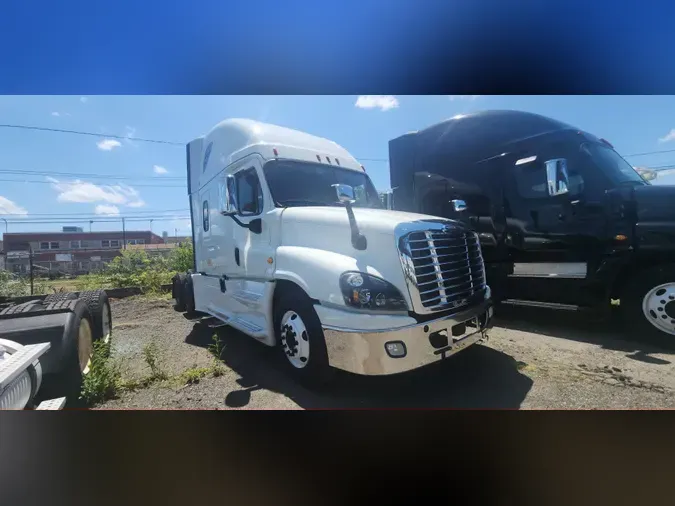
(310, 184)
(611, 163)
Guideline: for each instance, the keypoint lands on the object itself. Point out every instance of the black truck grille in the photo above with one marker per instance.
(448, 267)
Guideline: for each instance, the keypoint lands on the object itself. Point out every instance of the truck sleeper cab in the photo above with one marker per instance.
(565, 222)
(292, 247)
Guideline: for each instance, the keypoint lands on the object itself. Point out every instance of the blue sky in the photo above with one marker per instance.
(363, 125)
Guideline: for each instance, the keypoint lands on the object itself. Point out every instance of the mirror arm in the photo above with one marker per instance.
(359, 241)
(254, 225)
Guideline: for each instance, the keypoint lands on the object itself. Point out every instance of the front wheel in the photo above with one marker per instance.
(648, 305)
(300, 340)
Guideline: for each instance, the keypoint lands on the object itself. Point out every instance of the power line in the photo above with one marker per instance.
(110, 219)
(92, 134)
(85, 174)
(650, 153)
(173, 143)
(22, 181)
(133, 213)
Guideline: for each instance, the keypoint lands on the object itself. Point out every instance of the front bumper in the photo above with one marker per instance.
(365, 351)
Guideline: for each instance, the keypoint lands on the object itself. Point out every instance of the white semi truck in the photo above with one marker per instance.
(293, 248)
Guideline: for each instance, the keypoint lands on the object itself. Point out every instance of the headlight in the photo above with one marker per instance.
(365, 291)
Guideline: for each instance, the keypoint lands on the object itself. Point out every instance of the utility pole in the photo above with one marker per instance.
(30, 263)
(176, 232)
(151, 226)
(90, 222)
(6, 228)
(124, 235)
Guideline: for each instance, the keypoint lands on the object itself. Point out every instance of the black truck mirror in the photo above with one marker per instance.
(557, 177)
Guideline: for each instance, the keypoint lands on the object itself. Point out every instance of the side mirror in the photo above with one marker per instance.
(458, 205)
(557, 177)
(345, 193)
(228, 201)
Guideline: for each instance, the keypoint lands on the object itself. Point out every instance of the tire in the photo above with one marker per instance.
(58, 297)
(178, 292)
(189, 297)
(300, 341)
(101, 315)
(78, 347)
(647, 297)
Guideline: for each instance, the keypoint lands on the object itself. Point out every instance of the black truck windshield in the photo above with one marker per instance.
(310, 184)
(611, 163)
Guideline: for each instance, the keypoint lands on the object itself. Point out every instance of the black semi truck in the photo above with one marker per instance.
(564, 221)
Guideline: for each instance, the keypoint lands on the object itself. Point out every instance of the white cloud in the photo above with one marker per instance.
(383, 102)
(56, 114)
(86, 192)
(158, 169)
(463, 97)
(83, 100)
(9, 207)
(107, 210)
(108, 144)
(670, 136)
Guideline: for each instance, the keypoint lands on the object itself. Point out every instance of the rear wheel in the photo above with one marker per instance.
(648, 305)
(300, 339)
(78, 343)
(58, 297)
(178, 292)
(189, 297)
(99, 307)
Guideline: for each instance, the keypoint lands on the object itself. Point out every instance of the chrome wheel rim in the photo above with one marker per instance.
(85, 346)
(295, 339)
(658, 307)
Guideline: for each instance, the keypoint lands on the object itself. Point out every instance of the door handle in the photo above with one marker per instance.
(236, 255)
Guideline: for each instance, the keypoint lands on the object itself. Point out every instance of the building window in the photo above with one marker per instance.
(114, 243)
(140, 241)
(54, 245)
(105, 243)
(75, 244)
(44, 245)
(84, 244)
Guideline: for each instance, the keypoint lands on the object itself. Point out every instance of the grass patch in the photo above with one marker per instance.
(105, 381)
(151, 357)
(104, 377)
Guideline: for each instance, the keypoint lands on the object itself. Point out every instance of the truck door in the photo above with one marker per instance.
(213, 233)
(251, 268)
(473, 196)
(555, 241)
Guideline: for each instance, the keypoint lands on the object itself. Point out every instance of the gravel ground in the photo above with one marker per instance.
(535, 359)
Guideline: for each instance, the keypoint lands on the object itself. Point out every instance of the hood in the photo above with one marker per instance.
(370, 221)
(654, 202)
(328, 228)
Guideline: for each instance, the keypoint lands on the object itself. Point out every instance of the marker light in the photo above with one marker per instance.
(276, 153)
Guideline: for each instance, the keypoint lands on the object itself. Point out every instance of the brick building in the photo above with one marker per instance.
(69, 252)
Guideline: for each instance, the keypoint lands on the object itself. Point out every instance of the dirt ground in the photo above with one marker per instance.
(535, 359)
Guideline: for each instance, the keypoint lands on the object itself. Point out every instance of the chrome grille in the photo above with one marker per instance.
(445, 265)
